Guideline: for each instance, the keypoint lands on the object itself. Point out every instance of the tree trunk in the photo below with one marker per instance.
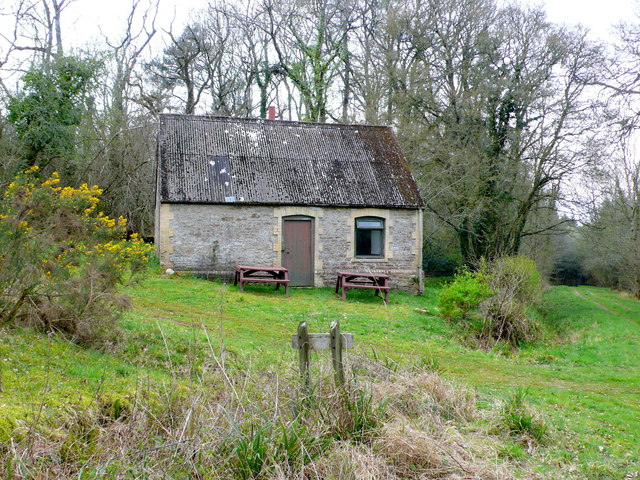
(57, 10)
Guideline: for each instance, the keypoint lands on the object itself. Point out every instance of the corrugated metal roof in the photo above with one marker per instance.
(205, 159)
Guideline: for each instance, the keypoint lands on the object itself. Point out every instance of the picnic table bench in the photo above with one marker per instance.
(256, 274)
(349, 280)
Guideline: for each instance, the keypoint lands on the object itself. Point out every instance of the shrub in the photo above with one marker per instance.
(515, 282)
(519, 274)
(495, 300)
(361, 415)
(467, 291)
(61, 261)
(252, 451)
(256, 448)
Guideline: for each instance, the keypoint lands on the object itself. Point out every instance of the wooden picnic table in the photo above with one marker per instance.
(257, 274)
(349, 280)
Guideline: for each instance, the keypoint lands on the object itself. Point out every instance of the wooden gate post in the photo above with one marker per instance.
(336, 352)
(335, 340)
(303, 349)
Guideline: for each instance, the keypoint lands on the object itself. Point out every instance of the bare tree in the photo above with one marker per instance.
(309, 38)
(381, 55)
(620, 80)
(182, 70)
(122, 158)
(53, 14)
(126, 52)
(612, 238)
(489, 107)
(35, 37)
(264, 69)
(233, 59)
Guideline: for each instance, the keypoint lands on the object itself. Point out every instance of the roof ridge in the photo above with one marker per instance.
(277, 121)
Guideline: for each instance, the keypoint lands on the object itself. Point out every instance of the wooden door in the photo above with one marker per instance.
(297, 249)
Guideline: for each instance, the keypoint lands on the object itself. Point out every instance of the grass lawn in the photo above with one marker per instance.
(584, 378)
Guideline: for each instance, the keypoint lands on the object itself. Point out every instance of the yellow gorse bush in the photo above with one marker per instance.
(57, 247)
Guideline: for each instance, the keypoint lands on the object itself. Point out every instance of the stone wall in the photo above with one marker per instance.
(212, 239)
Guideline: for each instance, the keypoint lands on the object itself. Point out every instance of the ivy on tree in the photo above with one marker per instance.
(50, 108)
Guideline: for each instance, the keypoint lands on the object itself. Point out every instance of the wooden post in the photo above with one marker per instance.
(303, 349)
(336, 352)
(336, 341)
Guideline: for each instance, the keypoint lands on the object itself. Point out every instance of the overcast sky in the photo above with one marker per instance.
(598, 15)
(85, 17)
(84, 20)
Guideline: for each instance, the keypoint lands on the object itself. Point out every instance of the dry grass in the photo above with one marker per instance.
(427, 394)
(257, 424)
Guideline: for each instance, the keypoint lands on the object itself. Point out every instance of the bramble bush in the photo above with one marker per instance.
(61, 260)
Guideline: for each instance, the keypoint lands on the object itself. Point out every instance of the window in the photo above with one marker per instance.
(369, 237)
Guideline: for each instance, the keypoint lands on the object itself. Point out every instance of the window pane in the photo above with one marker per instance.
(376, 242)
(363, 242)
(369, 223)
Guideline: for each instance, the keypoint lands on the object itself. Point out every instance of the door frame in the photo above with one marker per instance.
(312, 256)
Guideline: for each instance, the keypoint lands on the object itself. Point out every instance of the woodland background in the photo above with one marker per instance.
(520, 132)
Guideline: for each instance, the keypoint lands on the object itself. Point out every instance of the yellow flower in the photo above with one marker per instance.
(67, 192)
(52, 180)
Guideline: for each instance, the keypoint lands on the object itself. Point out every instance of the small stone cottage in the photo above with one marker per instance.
(315, 198)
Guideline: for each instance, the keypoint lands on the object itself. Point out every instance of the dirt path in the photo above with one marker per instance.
(603, 307)
(624, 307)
(584, 297)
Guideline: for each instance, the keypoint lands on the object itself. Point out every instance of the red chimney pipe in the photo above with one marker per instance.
(271, 113)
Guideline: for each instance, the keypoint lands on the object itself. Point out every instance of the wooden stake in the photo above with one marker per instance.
(336, 352)
(303, 349)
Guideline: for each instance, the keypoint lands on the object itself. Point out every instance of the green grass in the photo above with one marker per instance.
(40, 376)
(260, 321)
(586, 381)
(583, 379)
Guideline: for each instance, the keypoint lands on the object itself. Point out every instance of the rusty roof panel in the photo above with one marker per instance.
(206, 159)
